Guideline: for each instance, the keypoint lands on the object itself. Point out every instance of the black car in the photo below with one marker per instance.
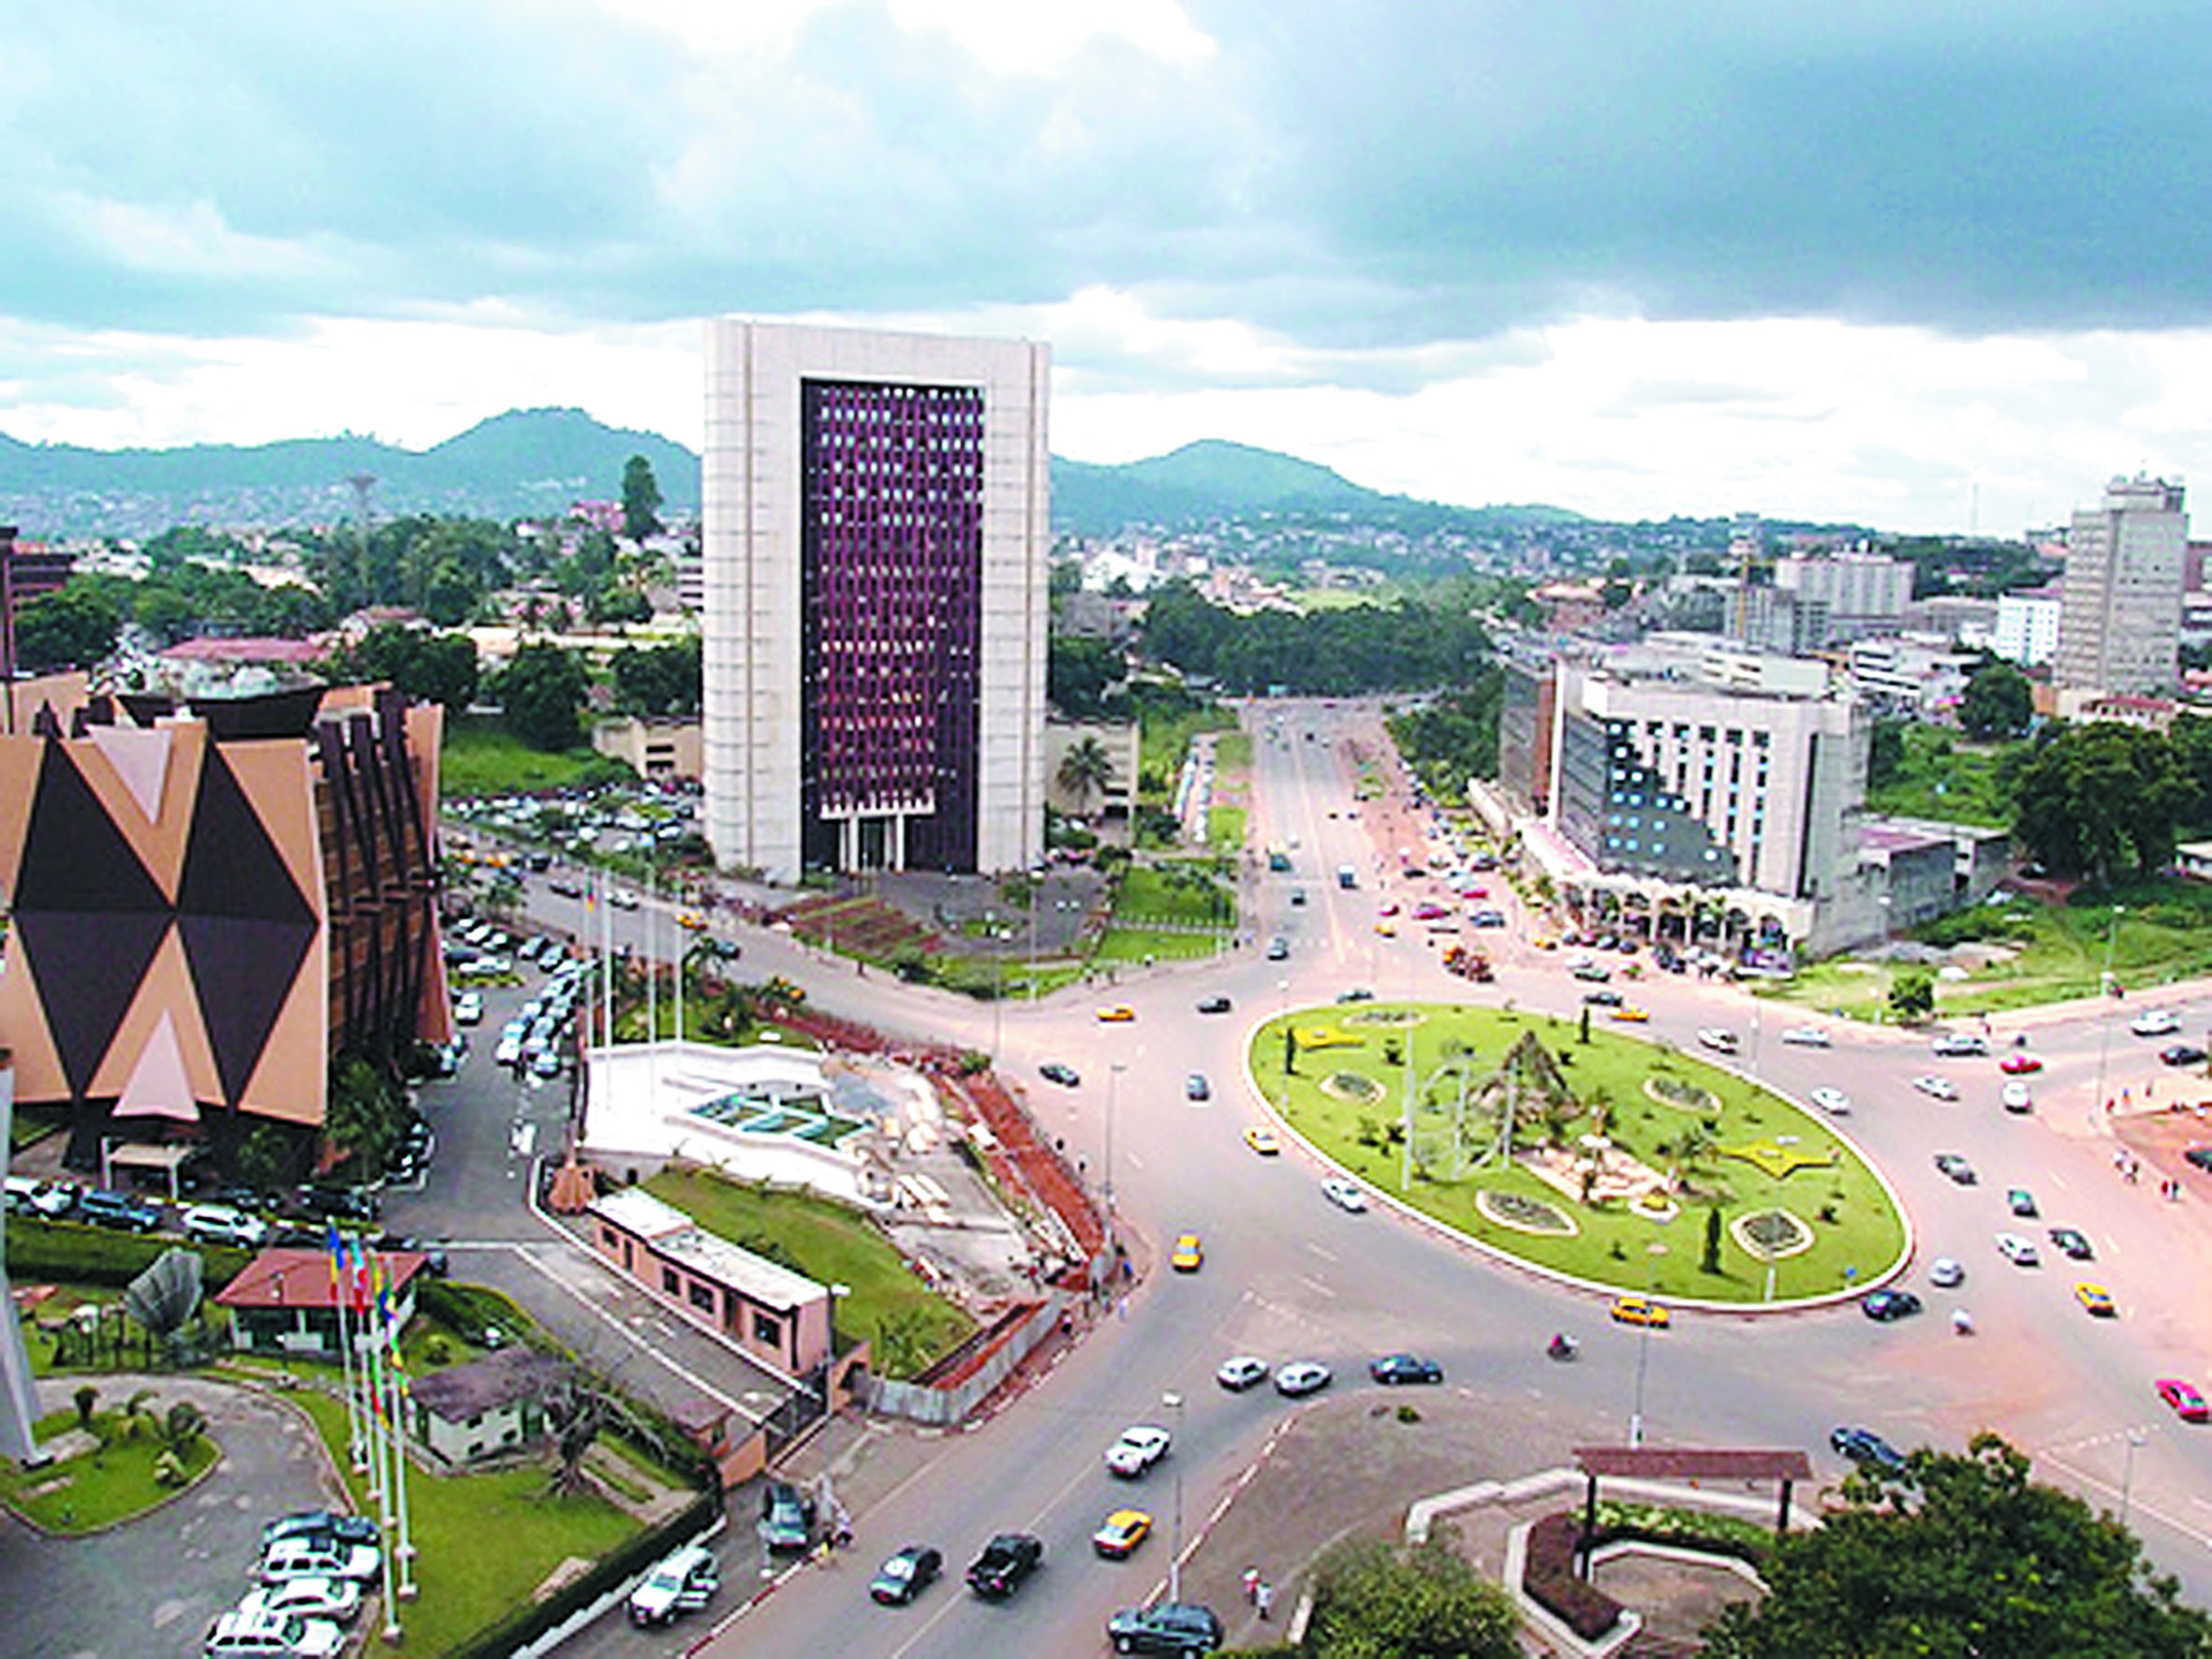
(326, 1524)
(1005, 1561)
(1864, 1446)
(2182, 1055)
(1602, 999)
(1405, 1368)
(1171, 1627)
(2072, 1242)
(338, 1203)
(1956, 1168)
(2199, 1156)
(1885, 1305)
(906, 1574)
(1053, 1072)
(1215, 1004)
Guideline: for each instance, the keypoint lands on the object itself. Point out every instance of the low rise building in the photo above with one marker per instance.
(488, 1408)
(286, 1303)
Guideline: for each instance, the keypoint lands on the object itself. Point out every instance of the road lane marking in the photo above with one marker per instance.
(1327, 1254)
(1314, 1284)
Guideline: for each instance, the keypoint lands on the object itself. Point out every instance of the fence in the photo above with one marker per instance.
(943, 1407)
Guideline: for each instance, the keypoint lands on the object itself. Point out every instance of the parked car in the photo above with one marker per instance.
(469, 1008)
(238, 1634)
(104, 1206)
(1391, 1369)
(1007, 1560)
(1120, 1533)
(319, 1558)
(1864, 1446)
(218, 1224)
(786, 1517)
(906, 1574)
(1165, 1627)
(324, 1524)
(1138, 1447)
(1241, 1372)
(338, 1203)
(1300, 1377)
(681, 1583)
(1885, 1305)
(306, 1598)
(57, 1200)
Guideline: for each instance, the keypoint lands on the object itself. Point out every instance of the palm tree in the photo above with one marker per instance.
(1084, 767)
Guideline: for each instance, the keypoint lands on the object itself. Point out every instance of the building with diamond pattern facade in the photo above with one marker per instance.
(207, 903)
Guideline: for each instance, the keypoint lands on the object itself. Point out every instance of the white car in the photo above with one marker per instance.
(469, 1008)
(1718, 1040)
(1300, 1377)
(1835, 1102)
(2018, 1251)
(239, 1635)
(678, 1583)
(1345, 1195)
(2016, 1095)
(1945, 1272)
(219, 1224)
(2155, 1023)
(1937, 1088)
(1958, 1045)
(318, 1558)
(306, 1598)
(1806, 1036)
(1137, 1450)
(1241, 1372)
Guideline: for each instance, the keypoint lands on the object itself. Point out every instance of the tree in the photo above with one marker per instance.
(75, 627)
(543, 691)
(660, 680)
(641, 499)
(1885, 753)
(1710, 1262)
(1962, 1554)
(2099, 800)
(1086, 767)
(1077, 673)
(429, 667)
(1998, 702)
(1912, 995)
(1373, 1600)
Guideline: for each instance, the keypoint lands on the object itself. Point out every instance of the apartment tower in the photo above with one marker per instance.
(2119, 618)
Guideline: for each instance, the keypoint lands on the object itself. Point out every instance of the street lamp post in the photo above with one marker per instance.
(1654, 1250)
(1112, 1088)
(2135, 1440)
(2104, 984)
(1174, 1401)
(838, 1292)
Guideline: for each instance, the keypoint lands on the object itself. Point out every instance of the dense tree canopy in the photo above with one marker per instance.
(542, 693)
(1998, 702)
(1403, 647)
(1961, 1556)
(2100, 799)
(73, 627)
(1077, 673)
(660, 680)
(1373, 1600)
(1454, 738)
(428, 668)
(641, 499)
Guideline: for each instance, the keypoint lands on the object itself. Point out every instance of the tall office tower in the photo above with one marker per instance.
(878, 531)
(2119, 621)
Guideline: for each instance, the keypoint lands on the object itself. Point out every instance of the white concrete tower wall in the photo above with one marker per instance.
(753, 579)
(2119, 623)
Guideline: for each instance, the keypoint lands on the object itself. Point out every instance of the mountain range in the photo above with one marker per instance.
(534, 462)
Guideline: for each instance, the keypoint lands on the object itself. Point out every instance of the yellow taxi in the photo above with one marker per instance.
(1260, 1138)
(1544, 942)
(1640, 1310)
(1189, 1256)
(2096, 1300)
(1119, 1534)
(1386, 929)
(1119, 1014)
(693, 920)
(1630, 1011)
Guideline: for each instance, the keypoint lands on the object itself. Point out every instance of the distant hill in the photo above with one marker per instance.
(519, 465)
(530, 463)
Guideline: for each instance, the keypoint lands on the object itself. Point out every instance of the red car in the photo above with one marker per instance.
(2018, 1063)
(2188, 1406)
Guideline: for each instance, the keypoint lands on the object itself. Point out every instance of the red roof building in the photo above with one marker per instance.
(285, 1303)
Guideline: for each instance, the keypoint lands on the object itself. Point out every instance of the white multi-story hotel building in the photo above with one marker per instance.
(877, 532)
(2028, 627)
(2119, 622)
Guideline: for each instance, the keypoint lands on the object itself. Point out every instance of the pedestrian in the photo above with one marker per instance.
(1252, 1586)
(1263, 1597)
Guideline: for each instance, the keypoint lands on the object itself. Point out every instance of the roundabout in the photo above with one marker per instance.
(1608, 1160)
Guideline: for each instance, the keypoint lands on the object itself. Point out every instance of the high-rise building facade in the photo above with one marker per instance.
(2119, 621)
(1856, 595)
(877, 532)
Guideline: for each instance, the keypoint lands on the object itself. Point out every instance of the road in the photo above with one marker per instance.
(1286, 1275)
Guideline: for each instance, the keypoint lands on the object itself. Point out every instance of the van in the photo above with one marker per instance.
(682, 1582)
(105, 1207)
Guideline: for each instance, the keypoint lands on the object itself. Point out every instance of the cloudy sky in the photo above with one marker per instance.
(1928, 266)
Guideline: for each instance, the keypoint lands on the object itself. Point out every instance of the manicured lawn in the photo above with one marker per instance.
(1225, 826)
(101, 1487)
(1856, 1233)
(911, 1325)
(1172, 893)
(480, 757)
(1133, 945)
(2051, 953)
(1164, 737)
(465, 1585)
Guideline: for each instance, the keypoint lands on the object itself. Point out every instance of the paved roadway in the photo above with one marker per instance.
(1286, 1275)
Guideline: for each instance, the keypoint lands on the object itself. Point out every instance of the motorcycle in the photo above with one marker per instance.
(1962, 1323)
(1563, 1347)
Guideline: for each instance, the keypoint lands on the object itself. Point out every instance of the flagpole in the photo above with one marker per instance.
(405, 1551)
(392, 1630)
(356, 1442)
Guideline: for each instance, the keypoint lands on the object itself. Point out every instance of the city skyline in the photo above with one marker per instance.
(1887, 267)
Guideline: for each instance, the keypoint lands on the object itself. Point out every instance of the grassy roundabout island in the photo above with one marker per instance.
(1581, 1157)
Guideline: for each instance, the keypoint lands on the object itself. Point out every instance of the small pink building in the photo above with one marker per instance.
(780, 1317)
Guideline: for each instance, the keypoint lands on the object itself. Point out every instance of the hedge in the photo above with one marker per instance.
(1548, 1574)
(66, 1253)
